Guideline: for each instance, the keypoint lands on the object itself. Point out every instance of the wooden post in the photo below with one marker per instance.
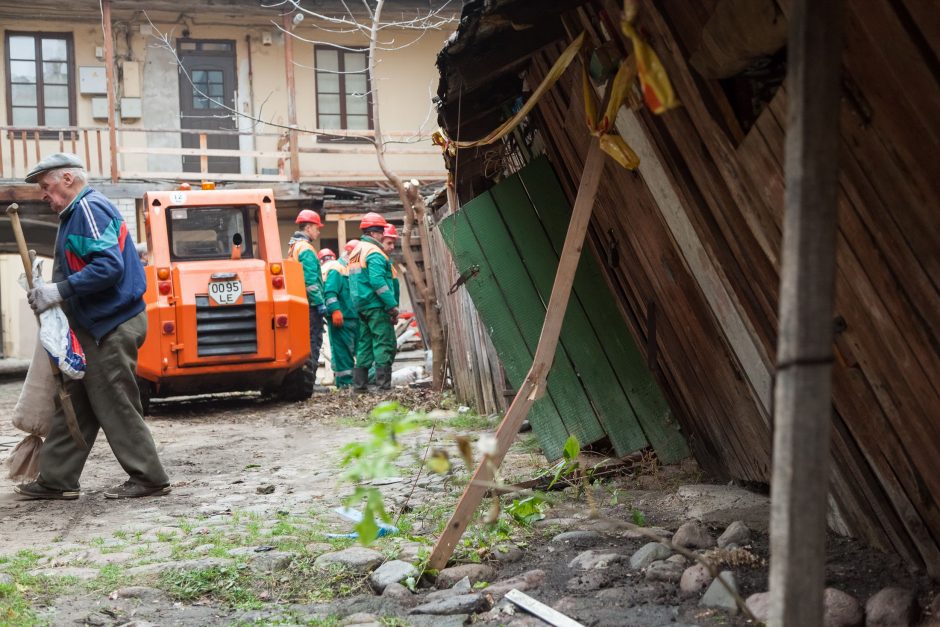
(203, 158)
(533, 387)
(803, 399)
(109, 75)
(291, 98)
(341, 235)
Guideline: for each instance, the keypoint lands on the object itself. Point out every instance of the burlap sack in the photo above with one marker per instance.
(33, 414)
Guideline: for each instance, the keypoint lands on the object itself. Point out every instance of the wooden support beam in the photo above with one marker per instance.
(291, 97)
(803, 396)
(340, 235)
(109, 75)
(533, 387)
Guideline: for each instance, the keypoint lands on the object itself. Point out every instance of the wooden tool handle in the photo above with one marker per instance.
(13, 210)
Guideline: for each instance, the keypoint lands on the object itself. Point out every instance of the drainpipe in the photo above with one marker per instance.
(244, 98)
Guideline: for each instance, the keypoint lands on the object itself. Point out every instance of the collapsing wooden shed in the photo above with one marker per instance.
(687, 246)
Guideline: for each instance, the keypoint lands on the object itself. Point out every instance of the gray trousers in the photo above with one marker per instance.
(107, 397)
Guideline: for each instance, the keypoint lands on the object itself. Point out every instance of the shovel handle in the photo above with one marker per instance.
(13, 210)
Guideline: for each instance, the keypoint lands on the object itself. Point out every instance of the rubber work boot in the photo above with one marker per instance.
(383, 377)
(360, 379)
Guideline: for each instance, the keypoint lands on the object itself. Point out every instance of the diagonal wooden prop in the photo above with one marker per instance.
(533, 387)
(65, 401)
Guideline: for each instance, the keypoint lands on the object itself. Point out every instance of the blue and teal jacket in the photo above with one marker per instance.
(96, 266)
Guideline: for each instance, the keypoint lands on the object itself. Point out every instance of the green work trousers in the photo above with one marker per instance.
(376, 344)
(343, 350)
(107, 397)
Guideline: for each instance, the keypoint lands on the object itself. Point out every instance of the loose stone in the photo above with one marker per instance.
(460, 604)
(841, 609)
(589, 560)
(694, 579)
(736, 533)
(891, 607)
(649, 553)
(354, 558)
(666, 571)
(476, 572)
(718, 596)
(579, 538)
(693, 535)
(391, 572)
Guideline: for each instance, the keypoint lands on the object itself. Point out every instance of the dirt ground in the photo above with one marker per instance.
(251, 474)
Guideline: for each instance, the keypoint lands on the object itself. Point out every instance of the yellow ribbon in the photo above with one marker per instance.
(657, 89)
(613, 145)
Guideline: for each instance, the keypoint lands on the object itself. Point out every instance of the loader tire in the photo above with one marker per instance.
(298, 385)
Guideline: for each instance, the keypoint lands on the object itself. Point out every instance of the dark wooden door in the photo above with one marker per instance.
(207, 100)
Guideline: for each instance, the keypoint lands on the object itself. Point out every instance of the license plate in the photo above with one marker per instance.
(225, 292)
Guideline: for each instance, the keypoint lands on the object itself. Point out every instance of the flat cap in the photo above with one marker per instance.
(54, 162)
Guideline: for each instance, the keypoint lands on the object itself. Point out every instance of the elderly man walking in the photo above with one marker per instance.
(99, 281)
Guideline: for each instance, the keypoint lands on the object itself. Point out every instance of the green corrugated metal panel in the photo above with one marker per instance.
(503, 330)
(644, 395)
(525, 306)
(578, 338)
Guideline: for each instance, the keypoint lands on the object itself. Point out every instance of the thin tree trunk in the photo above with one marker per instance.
(413, 204)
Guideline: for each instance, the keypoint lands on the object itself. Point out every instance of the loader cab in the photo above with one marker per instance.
(225, 311)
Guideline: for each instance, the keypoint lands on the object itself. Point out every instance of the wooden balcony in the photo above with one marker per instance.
(149, 154)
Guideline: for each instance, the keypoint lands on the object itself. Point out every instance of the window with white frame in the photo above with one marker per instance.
(40, 79)
(343, 100)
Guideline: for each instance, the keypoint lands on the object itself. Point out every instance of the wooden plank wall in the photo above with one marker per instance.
(475, 369)
(698, 236)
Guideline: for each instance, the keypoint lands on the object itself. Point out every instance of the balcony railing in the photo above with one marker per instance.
(266, 159)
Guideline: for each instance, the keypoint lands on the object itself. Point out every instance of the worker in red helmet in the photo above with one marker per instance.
(348, 250)
(372, 286)
(343, 327)
(389, 239)
(300, 248)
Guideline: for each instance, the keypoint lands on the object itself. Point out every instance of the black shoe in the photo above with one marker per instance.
(383, 377)
(34, 490)
(130, 489)
(360, 379)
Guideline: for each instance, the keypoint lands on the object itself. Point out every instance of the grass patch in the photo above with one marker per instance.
(471, 421)
(527, 444)
(232, 585)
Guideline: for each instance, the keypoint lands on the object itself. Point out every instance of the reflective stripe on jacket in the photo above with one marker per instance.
(371, 278)
(301, 249)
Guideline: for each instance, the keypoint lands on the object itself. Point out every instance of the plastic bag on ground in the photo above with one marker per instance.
(56, 336)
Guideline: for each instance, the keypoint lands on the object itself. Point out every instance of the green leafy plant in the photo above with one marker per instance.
(373, 459)
(528, 510)
(638, 518)
(569, 462)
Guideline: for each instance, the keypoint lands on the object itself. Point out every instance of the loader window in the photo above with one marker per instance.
(198, 233)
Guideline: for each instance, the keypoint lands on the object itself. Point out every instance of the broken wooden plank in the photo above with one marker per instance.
(549, 615)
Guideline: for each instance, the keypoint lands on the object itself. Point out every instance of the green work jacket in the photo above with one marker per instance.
(336, 294)
(300, 248)
(372, 282)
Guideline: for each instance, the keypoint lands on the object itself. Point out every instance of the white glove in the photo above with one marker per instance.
(44, 297)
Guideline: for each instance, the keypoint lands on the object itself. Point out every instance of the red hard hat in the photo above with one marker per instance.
(390, 231)
(372, 220)
(351, 245)
(308, 216)
(325, 252)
